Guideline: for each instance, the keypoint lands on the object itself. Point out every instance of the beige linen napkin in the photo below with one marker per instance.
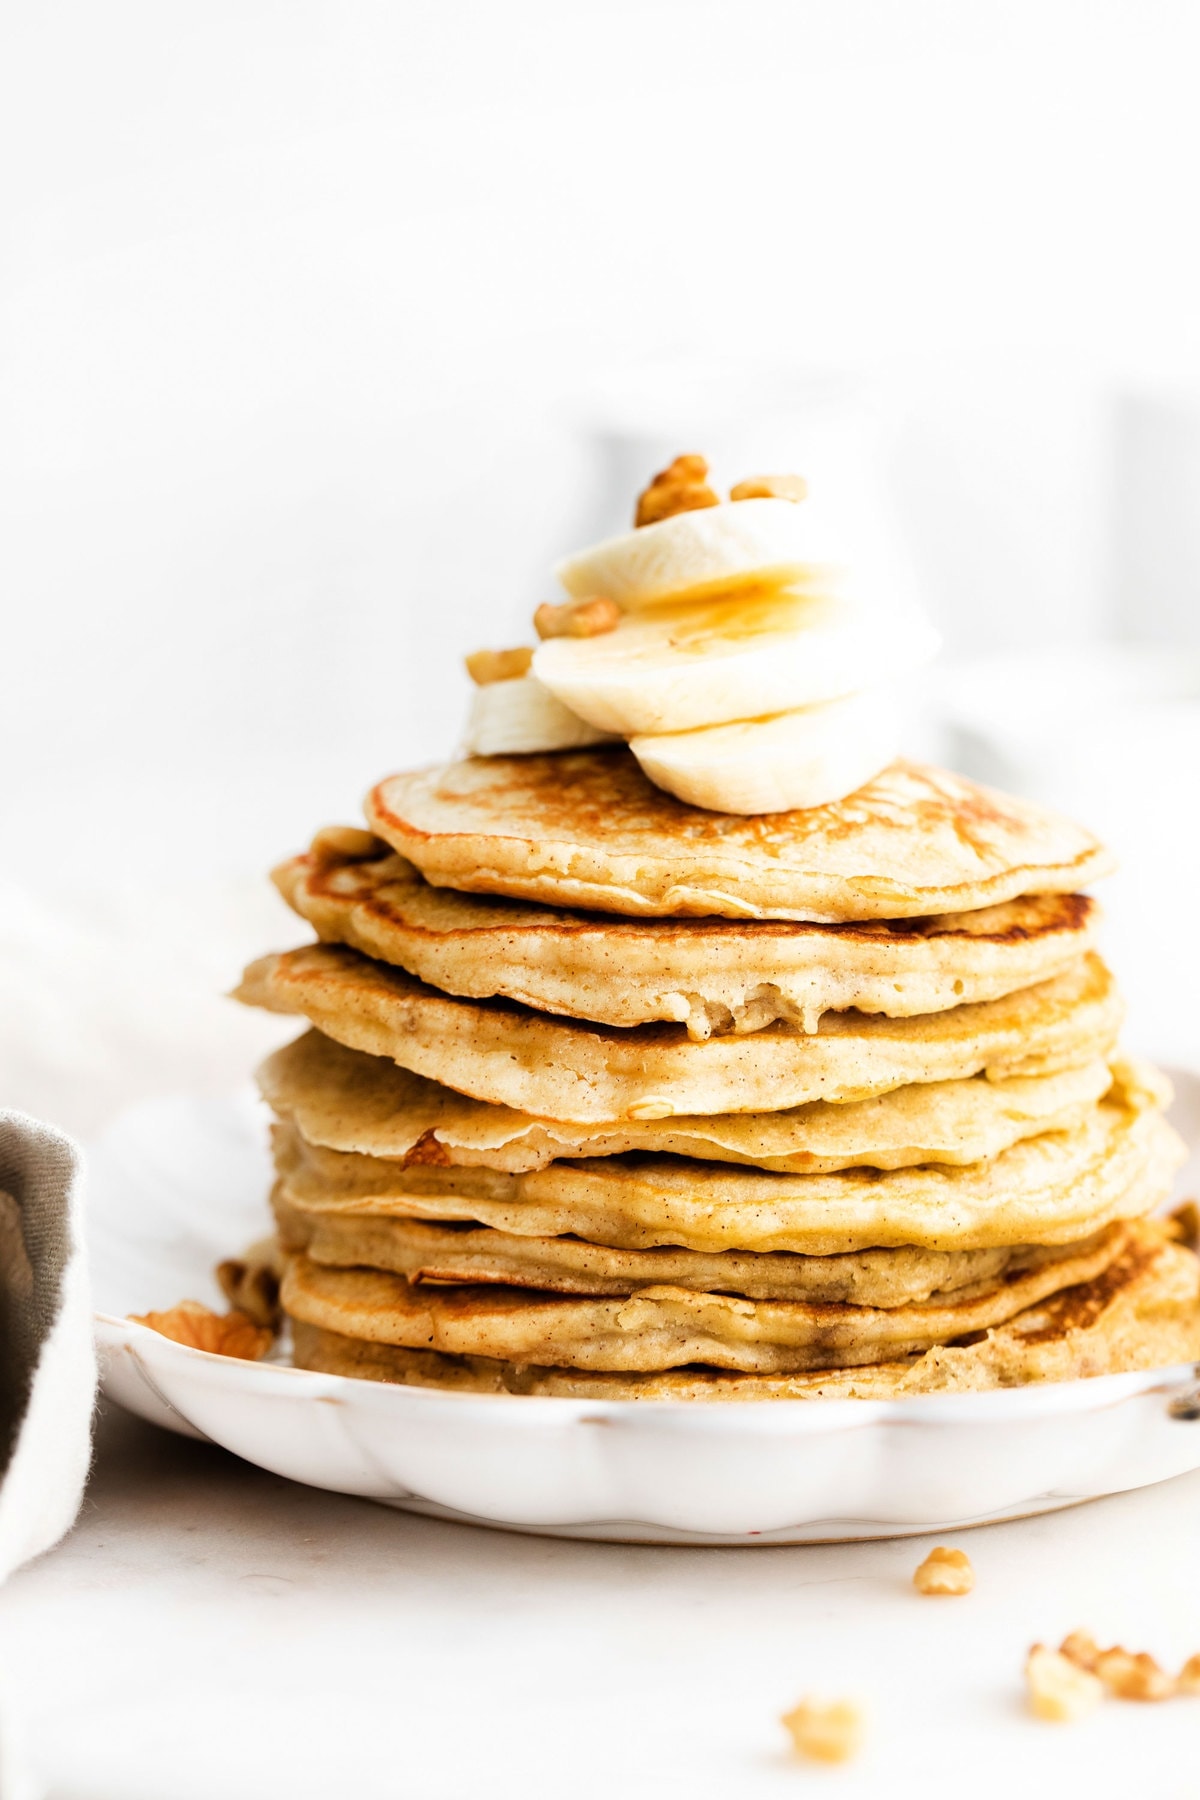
(47, 1371)
(47, 1363)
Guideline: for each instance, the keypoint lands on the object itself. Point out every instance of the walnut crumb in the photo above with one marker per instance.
(1082, 1649)
(250, 1282)
(1188, 1679)
(1059, 1689)
(1127, 1675)
(1184, 1224)
(488, 666)
(770, 487)
(1130, 1676)
(577, 618)
(945, 1571)
(428, 1152)
(683, 487)
(225, 1334)
(829, 1731)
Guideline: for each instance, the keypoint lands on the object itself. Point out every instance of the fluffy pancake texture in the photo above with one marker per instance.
(346, 1100)
(609, 1096)
(498, 1051)
(661, 1327)
(1050, 1189)
(587, 829)
(567, 1265)
(1141, 1311)
(712, 975)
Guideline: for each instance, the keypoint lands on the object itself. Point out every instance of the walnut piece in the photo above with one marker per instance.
(487, 666)
(346, 843)
(770, 487)
(577, 618)
(1127, 1675)
(1184, 1224)
(250, 1282)
(945, 1571)
(683, 487)
(225, 1334)
(1059, 1689)
(1133, 1677)
(1188, 1679)
(428, 1152)
(830, 1731)
(1082, 1649)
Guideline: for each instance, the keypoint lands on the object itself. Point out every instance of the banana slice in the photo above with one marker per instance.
(675, 668)
(518, 717)
(695, 554)
(803, 758)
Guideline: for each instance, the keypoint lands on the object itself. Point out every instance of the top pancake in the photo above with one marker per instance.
(587, 829)
(712, 975)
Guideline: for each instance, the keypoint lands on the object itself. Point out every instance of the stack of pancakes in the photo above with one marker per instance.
(611, 1096)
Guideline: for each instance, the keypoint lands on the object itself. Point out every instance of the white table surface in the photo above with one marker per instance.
(209, 1630)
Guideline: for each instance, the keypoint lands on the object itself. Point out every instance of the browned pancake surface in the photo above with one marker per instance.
(586, 828)
(713, 975)
(557, 1068)
(667, 1327)
(1141, 1312)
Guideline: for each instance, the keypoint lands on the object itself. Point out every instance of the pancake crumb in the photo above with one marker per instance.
(830, 1731)
(945, 1571)
(1059, 1690)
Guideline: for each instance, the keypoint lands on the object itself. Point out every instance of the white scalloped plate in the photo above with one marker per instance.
(177, 1184)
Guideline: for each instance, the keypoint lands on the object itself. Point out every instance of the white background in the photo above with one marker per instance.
(312, 318)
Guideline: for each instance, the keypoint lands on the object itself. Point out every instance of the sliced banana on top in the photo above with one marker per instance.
(678, 667)
(808, 757)
(519, 717)
(695, 554)
(725, 642)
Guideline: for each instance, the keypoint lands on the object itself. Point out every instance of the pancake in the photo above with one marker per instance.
(347, 1100)
(587, 829)
(712, 975)
(498, 1051)
(566, 1265)
(1141, 1312)
(1045, 1190)
(662, 1327)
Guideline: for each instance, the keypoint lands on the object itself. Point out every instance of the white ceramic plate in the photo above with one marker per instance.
(176, 1185)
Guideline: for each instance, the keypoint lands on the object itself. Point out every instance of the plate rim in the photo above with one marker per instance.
(1046, 1399)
